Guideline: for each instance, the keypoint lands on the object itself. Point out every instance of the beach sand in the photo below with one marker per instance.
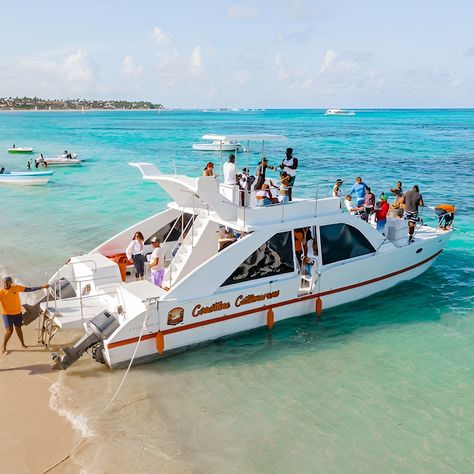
(33, 436)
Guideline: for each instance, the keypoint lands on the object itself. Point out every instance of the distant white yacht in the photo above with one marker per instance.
(339, 112)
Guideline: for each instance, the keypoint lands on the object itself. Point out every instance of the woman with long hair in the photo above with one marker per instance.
(209, 169)
(134, 253)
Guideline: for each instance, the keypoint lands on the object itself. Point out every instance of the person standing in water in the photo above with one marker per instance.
(11, 309)
(290, 165)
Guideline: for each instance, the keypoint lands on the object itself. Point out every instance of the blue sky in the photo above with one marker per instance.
(280, 53)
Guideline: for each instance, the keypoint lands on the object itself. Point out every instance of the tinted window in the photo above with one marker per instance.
(171, 231)
(274, 257)
(342, 241)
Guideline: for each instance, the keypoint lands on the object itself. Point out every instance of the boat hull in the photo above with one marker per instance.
(62, 161)
(20, 150)
(212, 147)
(26, 178)
(337, 286)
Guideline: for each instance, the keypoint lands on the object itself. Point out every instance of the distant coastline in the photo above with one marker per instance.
(14, 104)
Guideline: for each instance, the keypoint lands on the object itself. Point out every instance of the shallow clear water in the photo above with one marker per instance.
(384, 384)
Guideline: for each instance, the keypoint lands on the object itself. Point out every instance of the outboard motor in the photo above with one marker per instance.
(98, 329)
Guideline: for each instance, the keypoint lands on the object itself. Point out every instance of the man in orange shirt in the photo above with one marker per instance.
(10, 305)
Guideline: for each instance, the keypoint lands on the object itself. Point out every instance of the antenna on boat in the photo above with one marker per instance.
(174, 166)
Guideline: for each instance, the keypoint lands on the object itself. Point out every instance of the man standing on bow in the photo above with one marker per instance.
(413, 199)
(11, 309)
(290, 165)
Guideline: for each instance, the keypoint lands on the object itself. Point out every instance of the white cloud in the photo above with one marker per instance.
(242, 11)
(335, 74)
(80, 71)
(174, 68)
(73, 75)
(130, 70)
(195, 60)
(297, 77)
(298, 9)
(160, 37)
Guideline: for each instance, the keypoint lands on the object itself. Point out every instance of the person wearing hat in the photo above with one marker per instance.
(290, 165)
(10, 305)
(336, 190)
(260, 174)
(381, 211)
(157, 262)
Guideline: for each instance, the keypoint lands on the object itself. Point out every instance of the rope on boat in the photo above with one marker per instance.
(76, 447)
(145, 320)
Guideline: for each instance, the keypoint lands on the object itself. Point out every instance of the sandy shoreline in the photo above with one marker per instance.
(33, 436)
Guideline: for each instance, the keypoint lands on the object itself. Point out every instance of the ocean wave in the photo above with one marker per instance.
(60, 395)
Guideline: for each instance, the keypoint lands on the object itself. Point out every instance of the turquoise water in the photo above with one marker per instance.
(382, 385)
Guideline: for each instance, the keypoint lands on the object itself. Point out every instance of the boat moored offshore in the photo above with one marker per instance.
(26, 178)
(339, 112)
(20, 149)
(66, 159)
(218, 143)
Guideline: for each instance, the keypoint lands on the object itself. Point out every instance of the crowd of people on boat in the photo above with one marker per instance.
(360, 201)
(259, 182)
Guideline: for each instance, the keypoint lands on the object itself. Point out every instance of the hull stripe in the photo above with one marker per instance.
(274, 305)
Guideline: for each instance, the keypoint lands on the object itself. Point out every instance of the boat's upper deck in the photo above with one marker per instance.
(232, 205)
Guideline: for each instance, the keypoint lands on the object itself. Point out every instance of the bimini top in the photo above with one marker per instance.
(245, 136)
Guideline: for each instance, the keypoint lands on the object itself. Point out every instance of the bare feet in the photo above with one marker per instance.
(4, 352)
(24, 347)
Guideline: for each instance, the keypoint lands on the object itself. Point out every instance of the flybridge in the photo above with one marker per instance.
(206, 193)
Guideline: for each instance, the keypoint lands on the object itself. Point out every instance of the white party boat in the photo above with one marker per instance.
(219, 143)
(211, 290)
(339, 112)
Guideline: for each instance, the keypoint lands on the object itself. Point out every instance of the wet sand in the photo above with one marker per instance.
(33, 437)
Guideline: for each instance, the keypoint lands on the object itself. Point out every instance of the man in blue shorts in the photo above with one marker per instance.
(10, 305)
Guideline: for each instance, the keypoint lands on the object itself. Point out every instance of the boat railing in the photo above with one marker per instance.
(189, 230)
(83, 290)
(245, 200)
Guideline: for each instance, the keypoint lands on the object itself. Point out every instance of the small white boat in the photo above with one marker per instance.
(218, 143)
(26, 178)
(66, 159)
(20, 149)
(339, 112)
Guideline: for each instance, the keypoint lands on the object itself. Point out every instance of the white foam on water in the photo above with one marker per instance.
(59, 395)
